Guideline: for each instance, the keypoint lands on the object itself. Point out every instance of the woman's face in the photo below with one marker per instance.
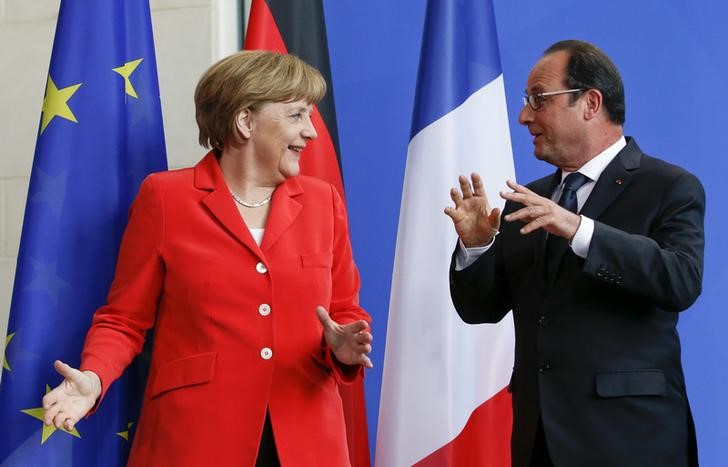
(279, 131)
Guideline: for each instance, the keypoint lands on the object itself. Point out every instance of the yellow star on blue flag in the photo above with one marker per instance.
(55, 103)
(6, 365)
(38, 414)
(125, 434)
(126, 70)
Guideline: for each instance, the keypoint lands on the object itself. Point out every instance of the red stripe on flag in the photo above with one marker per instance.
(319, 157)
(262, 30)
(484, 441)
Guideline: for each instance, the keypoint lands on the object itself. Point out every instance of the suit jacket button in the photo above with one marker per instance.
(543, 321)
(260, 267)
(544, 368)
(266, 353)
(264, 309)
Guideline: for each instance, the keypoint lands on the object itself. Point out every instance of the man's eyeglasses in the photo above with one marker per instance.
(536, 100)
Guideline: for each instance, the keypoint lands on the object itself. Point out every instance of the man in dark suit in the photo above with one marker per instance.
(595, 266)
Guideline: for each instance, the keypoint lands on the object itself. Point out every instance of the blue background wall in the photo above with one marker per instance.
(673, 59)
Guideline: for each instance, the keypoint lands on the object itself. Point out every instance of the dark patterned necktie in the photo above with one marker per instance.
(555, 246)
(572, 182)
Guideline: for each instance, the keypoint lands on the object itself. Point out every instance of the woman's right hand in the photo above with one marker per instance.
(73, 398)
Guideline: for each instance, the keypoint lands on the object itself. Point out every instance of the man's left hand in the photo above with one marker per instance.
(350, 343)
(540, 213)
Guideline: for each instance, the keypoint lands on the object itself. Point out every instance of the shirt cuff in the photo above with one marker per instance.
(582, 239)
(464, 256)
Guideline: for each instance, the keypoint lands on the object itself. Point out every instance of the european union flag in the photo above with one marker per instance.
(100, 134)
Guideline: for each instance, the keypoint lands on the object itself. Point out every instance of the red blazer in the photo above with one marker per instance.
(236, 328)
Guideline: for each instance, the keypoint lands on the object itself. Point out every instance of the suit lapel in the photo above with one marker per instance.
(208, 177)
(612, 182)
(283, 212)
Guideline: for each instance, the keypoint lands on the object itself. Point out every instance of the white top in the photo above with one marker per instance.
(257, 235)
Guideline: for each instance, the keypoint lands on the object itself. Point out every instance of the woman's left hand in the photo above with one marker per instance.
(350, 342)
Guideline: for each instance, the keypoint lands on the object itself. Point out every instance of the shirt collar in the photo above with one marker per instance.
(594, 168)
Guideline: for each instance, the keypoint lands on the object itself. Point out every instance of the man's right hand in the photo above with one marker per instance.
(72, 399)
(474, 220)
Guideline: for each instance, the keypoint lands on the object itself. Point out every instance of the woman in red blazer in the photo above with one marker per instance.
(246, 271)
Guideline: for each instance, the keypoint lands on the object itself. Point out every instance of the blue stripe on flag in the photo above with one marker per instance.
(457, 33)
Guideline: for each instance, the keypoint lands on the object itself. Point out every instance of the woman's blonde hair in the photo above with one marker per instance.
(246, 80)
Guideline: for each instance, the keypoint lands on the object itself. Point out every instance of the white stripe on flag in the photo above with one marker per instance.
(437, 369)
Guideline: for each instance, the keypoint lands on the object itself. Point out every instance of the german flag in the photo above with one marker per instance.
(298, 27)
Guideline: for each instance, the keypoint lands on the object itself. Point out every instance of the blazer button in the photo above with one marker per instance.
(264, 309)
(543, 321)
(544, 368)
(266, 353)
(260, 267)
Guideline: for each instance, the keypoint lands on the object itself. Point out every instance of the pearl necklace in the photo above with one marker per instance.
(251, 205)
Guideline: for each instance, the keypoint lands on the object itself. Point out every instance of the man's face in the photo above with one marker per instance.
(557, 126)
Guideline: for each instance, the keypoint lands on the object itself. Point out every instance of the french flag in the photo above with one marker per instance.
(444, 398)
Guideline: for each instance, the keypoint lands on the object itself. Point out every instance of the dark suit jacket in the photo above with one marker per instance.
(597, 350)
